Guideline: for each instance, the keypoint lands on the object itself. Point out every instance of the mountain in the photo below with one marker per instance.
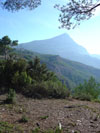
(64, 46)
(70, 72)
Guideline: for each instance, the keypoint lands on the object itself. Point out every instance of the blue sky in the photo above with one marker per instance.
(42, 23)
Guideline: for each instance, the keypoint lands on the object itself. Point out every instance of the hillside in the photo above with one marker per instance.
(70, 72)
(64, 46)
(43, 116)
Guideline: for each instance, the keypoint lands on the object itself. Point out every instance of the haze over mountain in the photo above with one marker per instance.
(96, 56)
(64, 46)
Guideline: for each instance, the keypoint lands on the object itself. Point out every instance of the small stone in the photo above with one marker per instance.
(3, 109)
(73, 131)
(79, 122)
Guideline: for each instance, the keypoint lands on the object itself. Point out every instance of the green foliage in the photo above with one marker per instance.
(57, 89)
(88, 91)
(13, 74)
(32, 79)
(47, 89)
(58, 130)
(21, 80)
(39, 72)
(24, 119)
(6, 45)
(44, 117)
(6, 127)
(96, 100)
(11, 98)
(37, 130)
(29, 78)
(69, 72)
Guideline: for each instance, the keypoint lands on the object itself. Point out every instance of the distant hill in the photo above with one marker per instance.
(64, 46)
(70, 72)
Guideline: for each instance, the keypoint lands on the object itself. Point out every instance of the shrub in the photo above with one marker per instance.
(83, 96)
(44, 117)
(24, 119)
(21, 80)
(57, 130)
(11, 97)
(57, 90)
(47, 89)
(90, 90)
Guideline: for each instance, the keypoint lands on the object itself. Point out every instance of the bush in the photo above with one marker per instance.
(11, 98)
(83, 96)
(47, 89)
(56, 89)
(24, 119)
(90, 90)
(21, 80)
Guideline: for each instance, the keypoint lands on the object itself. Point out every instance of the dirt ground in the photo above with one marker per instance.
(75, 116)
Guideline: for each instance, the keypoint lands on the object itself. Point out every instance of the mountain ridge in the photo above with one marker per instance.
(64, 46)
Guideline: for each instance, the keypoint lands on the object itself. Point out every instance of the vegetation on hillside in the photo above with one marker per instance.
(69, 72)
(30, 78)
(89, 90)
(33, 79)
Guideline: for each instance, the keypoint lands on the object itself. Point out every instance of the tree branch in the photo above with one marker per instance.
(76, 11)
(92, 8)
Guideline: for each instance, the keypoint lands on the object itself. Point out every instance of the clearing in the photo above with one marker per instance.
(75, 116)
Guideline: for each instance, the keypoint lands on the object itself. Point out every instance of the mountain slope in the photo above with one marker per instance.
(57, 45)
(70, 72)
(64, 46)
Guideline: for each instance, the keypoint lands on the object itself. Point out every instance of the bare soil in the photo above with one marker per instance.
(75, 116)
